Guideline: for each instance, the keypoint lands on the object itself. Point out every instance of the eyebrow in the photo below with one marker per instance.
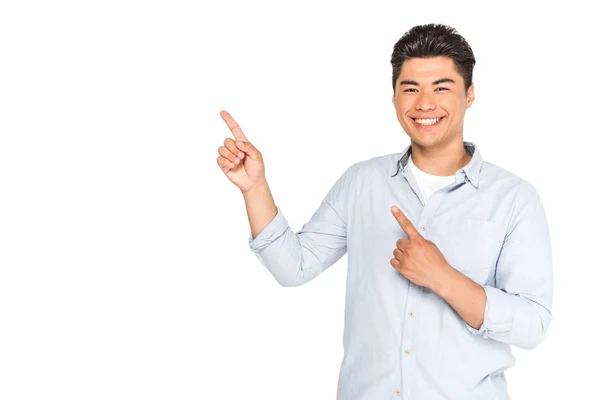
(443, 80)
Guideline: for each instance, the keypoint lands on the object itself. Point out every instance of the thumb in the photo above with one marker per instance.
(249, 149)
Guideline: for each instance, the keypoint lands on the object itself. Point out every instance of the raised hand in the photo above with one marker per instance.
(241, 162)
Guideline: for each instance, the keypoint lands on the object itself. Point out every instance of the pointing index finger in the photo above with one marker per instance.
(233, 126)
(405, 223)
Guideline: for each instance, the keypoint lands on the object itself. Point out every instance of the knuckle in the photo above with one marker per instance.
(230, 144)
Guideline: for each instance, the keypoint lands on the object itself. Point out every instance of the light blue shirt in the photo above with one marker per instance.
(403, 341)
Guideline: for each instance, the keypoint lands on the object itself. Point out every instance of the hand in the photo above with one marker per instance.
(416, 258)
(241, 162)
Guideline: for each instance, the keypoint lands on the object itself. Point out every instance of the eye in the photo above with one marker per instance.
(442, 88)
(409, 90)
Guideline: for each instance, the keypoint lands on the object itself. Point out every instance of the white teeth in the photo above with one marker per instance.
(428, 121)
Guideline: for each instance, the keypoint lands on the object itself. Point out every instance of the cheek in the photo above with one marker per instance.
(454, 105)
(403, 111)
(403, 103)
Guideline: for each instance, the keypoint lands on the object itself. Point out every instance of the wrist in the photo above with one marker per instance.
(445, 281)
(254, 188)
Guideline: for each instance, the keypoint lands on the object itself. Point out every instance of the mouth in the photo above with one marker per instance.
(427, 122)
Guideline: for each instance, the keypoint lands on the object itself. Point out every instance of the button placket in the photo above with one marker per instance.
(410, 337)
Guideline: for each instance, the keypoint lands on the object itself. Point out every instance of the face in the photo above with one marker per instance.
(427, 90)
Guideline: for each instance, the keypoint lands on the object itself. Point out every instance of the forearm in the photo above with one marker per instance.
(516, 319)
(271, 238)
(465, 296)
(295, 258)
(260, 207)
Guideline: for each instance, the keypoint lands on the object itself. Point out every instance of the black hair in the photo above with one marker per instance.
(434, 40)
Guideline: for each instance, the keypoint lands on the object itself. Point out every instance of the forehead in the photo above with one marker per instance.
(429, 69)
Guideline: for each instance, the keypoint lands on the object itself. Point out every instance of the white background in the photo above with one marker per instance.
(125, 271)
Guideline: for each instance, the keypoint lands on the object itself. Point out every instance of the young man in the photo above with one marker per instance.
(449, 257)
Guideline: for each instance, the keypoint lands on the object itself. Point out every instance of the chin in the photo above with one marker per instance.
(427, 140)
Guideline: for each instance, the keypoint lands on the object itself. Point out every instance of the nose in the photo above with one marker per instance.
(425, 101)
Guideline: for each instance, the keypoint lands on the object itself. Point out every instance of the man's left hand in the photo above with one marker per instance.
(416, 258)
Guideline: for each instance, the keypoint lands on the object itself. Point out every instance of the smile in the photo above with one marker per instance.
(422, 122)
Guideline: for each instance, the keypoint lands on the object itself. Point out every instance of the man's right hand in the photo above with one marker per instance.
(241, 162)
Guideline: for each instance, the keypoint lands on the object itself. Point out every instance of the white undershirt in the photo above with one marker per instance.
(428, 183)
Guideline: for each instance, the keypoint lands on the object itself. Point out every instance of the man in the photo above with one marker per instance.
(449, 257)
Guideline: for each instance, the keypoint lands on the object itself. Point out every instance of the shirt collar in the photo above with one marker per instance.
(470, 171)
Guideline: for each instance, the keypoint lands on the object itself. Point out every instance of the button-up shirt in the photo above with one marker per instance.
(402, 340)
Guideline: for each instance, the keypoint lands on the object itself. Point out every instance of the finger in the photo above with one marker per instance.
(225, 164)
(249, 149)
(398, 253)
(233, 126)
(223, 151)
(230, 144)
(401, 243)
(405, 223)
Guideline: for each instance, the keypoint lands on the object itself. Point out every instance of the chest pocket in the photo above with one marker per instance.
(471, 246)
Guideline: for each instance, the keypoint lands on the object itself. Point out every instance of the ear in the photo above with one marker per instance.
(471, 95)
(394, 99)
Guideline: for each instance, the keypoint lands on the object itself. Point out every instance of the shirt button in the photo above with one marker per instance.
(398, 392)
(466, 179)
(411, 314)
(407, 352)
(423, 227)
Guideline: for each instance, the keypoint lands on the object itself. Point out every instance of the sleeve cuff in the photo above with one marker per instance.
(270, 232)
(497, 316)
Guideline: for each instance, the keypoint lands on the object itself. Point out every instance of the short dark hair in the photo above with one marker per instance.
(434, 40)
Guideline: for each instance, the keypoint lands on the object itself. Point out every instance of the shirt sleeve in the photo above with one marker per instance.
(296, 258)
(518, 308)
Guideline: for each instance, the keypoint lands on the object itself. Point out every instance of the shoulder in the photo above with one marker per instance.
(520, 197)
(493, 175)
(381, 164)
(362, 173)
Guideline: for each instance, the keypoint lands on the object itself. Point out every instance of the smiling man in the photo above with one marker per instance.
(449, 257)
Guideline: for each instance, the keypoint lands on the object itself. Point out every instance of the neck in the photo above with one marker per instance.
(440, 161)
